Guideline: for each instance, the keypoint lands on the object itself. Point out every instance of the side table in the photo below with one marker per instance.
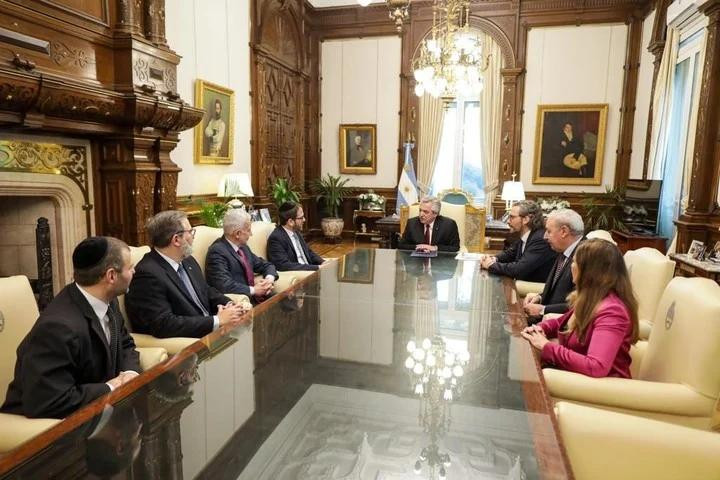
(686, 266)
(389, 228)
(633, 241)
(369, 218)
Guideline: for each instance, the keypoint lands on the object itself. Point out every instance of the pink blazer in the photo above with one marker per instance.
(606, 349)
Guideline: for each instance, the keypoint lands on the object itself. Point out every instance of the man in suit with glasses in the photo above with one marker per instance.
(286, 248)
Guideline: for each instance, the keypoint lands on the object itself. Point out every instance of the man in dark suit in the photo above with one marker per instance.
(529, 258)
(286, 248)
(169, 296)
(430, 231)
(231, 266)
(564, 230)
(78, 349)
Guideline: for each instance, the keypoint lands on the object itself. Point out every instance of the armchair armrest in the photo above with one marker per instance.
(172, 345)
(18, 429)
(602, 444)
(151, 356)
(526, 288)
(285, 281)
(657, 397)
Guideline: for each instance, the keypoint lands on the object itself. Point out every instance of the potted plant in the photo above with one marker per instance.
(281, 191)
(213, 213)
(606, 211)
(332, 191)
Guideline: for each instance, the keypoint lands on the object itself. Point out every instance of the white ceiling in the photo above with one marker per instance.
(337, 3)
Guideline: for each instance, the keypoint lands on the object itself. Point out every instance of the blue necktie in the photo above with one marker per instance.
(189, 287)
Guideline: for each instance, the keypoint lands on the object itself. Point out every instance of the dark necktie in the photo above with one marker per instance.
(246, 266)
(427, 234)
(190, 289)
(558, 269)
(114, 340)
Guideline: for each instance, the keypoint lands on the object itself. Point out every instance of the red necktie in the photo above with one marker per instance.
(248, 272)
(427, 234)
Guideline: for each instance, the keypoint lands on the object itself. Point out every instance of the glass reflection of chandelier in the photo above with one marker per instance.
(435, 375)
(399, 10)
(450, 62)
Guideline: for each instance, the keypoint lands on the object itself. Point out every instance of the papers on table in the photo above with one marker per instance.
(467, 256)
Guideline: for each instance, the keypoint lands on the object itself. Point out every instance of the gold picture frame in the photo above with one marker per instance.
(214, 136)
(358, 149)
(570, 144)
(357, 266)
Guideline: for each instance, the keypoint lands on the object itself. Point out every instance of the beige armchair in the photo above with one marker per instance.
(650, 272)
(602, 444)
(676, 373)
(470, 222)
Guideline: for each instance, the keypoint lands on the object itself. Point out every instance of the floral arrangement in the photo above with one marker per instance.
(547, 205)
(371, 201)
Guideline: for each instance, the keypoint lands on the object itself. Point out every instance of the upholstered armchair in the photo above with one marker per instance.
(676, 373)
(650, 272)
(470, 222)
(456, 196)
(601, 444)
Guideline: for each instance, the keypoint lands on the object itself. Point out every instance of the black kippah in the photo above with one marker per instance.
(89, 252)
(286, 207)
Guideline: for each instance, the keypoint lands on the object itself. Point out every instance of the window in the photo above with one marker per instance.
(459, 162)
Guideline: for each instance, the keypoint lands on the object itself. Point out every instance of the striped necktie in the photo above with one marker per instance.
(558, 269)
(190, 289)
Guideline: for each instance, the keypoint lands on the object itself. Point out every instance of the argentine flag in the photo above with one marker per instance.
(407, 186)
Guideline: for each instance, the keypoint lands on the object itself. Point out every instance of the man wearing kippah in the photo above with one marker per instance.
(286, 248)
(78, 349)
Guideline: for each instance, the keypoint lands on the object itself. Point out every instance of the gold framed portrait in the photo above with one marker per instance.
(357, 266)
(358, 149)
(570, 144)
(214, 134)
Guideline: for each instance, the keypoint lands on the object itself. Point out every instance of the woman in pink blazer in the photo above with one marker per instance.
(595, 335)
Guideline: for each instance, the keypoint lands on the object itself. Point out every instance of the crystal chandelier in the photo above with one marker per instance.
(435, 375)
(399, 11)
(450, 62)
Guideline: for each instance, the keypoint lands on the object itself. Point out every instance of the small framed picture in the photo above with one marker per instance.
(265, 215)
(696, 250)
(357, 266)
(255, 215)
(714, 254)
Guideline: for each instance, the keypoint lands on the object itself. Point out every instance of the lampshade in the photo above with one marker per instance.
(235, 185)
(513, 191)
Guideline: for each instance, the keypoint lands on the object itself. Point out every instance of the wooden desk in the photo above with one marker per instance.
(689, 267)
(369, 218)
(633, 241)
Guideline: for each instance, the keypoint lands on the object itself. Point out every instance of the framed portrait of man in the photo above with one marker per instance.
(358, 149)
(570, 144)
(214, 134)
(357, 266)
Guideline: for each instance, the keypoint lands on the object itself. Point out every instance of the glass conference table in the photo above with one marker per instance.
(319, 385)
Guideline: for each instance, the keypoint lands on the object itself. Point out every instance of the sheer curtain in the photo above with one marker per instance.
(491, 118)
(431, 122)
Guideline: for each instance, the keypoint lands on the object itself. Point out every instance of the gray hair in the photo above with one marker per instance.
(434, 203)
(235, 219)
(570, 219)
(528, 208)
(163, 226)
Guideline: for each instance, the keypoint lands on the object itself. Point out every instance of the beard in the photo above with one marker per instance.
(186, 250)
(218, 115)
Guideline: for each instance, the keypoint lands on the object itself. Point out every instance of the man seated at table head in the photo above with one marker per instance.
(169, 296)
(564, 230)
(231, 266)
(529, 258)
(430, 231)
(78, 349)
(286, 248)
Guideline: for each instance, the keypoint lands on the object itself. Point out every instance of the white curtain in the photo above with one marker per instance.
(491, 118)
(431, 122)
(662, 105)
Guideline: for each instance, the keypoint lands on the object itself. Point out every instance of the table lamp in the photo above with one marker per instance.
(512, 192)
(235, 185)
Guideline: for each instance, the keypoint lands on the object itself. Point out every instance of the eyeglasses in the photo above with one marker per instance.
(191, 232)
(300, 218)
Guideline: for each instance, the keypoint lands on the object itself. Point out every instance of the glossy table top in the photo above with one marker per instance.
(316, 386)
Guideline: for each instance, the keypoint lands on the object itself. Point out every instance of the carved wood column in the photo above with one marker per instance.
(129, 16)
(155, 21)
(167, 176)
(510, 146)
(706, 160)
(629, 96)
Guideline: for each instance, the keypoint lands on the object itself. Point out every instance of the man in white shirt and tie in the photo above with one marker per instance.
(286, 247)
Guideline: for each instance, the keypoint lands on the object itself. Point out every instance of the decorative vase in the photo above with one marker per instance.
(332, 227)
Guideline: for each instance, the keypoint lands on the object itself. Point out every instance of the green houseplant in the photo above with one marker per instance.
(606, 211)
(332, 190)
(213, 213)
(282, 191)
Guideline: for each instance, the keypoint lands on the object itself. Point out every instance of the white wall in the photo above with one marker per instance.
(361, 84)
(212, 36)
(573, 65)
(642, 101)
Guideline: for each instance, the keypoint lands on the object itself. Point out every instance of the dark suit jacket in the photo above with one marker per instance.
(224, 269)
(532, 265)
(555, 293)
(444, 235)
(158, 304)
(281, 252)
(64, 361)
